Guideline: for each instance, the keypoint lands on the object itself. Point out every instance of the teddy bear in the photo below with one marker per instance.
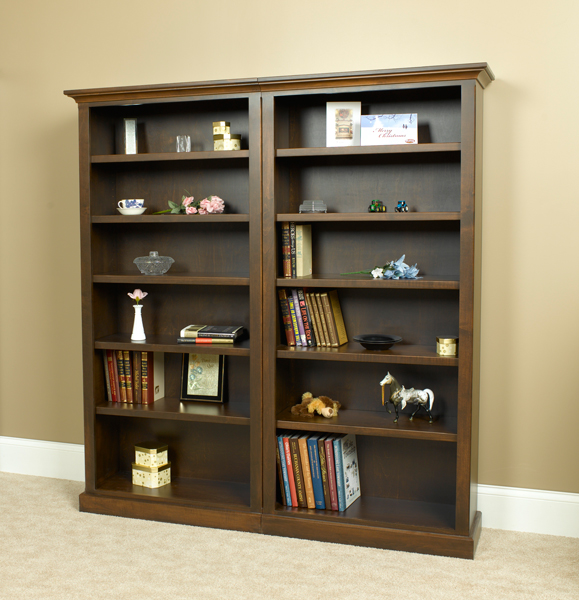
(322, 405)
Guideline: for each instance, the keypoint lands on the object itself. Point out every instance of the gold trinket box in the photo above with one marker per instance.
(220, 127)
(446, 346)
(151, 477)
(227, 141)
(151, 454)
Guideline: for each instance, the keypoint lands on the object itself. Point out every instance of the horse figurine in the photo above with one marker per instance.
(401, 396)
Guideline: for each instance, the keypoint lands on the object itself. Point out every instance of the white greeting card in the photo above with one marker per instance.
(383, 130)
(343, 123)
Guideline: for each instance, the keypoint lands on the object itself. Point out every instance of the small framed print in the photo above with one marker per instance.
(343, 123)
(202, 377)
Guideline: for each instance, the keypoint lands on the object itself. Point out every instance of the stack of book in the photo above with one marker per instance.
(210, 334)
(318, 471)
(296, 249)
(133, 376)
(312, 318)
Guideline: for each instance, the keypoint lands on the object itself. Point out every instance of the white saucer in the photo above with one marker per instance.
(132, 211)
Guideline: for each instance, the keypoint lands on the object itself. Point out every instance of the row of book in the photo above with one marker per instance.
(312, 318)
(318, 471)
(296, 249)
(133, 376)
(210, 334)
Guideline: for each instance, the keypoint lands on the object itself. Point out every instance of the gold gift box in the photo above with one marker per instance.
(151, 454)
(220, 127)
(446, 346)
(227, 141)
(151, 477)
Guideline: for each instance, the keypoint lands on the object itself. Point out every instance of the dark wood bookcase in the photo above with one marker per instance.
(418, 480)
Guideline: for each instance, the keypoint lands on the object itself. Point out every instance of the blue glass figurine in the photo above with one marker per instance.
(401, 206)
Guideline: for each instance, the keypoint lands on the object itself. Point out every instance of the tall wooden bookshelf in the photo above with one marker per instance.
(418, 480)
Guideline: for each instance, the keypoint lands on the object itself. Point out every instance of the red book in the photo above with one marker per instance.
(152, 376)
(113, 375)
(121, 372)
(137, 380)
(128, 375)
(290, 471)
(306, 319)
(329, 443)
(286, 317)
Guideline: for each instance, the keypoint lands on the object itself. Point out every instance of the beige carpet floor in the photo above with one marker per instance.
(49, 550)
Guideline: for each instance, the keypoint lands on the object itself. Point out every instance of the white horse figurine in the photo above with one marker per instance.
(401, 396)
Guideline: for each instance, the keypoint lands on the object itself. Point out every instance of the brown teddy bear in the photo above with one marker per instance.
(322, 405)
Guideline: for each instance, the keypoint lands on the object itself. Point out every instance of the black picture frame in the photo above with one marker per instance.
(212, 393)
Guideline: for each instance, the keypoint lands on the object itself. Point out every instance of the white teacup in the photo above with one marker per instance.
(132, 203)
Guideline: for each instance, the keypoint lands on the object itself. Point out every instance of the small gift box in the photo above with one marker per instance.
(151, 477)
(227, 141)
(221, 127)
(151, 454)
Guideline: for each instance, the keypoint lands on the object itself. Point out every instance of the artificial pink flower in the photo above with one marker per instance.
(191, 210)
(202, 211)
(213, 204)
(187, 201)
(137, 295)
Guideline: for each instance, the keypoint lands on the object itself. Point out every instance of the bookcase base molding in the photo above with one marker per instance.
(418, 480)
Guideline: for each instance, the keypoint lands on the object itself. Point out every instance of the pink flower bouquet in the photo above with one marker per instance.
(211, 205)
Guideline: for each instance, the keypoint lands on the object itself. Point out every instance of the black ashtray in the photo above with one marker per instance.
(376, 341)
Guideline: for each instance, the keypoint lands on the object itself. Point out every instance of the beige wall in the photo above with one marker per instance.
(530, 322)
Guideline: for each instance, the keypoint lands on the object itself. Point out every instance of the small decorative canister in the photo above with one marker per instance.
(151, 477)
(227, 141)
(221, 127)
(151, 454)
(446, 346)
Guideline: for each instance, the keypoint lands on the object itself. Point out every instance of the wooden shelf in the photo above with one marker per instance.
(169, 156)
(371, 217)
(374, 423)
(367, 150)
(383, 512)
(335, 280)
(178, 279)
(178, 410)
(405, 354)
(156, 219)
(202, 492)
(168, 343)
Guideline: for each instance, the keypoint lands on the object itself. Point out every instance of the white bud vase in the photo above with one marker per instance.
(138, 334)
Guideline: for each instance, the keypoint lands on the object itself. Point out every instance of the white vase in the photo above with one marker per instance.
(138, 334)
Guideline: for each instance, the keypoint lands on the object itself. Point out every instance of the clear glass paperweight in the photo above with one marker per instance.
(153, 264)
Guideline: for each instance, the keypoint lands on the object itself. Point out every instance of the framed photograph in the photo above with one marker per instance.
(343, 123)
(202, 377)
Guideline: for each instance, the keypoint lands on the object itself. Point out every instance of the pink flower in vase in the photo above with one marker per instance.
(188, 201)
(191, 210)
(137, 295)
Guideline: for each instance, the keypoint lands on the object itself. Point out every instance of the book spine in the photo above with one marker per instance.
(340, 484)
(350, 469)
(121, 372)
(310, 303)
(114, 379)
(137, 380)
(306, 472)
(292, 228)
(290, 472)
(324, 472)
(294, 318)
(329, 320)
(107, 377)
(280, 476)
(286, 318)
(299, 317)
(338, 317)
(322, 319)
(316, 473)
(218, 336)
(206, 340)
(303, 250)
(331, 473)
(297, 468)
(306, 321)
(128, 375)
(147, 394)
(284, 475)
(285, 250)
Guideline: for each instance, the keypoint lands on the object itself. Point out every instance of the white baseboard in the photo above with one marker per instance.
(515, 509)
(533, 511)
(45, 459)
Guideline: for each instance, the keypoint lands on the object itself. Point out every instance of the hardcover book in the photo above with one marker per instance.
(324, 470)
(299, 319)
(329, 445)
(290, 471)
(297, 469)
(316, 471)
(321, 312)
(280, 476)
(303, 250)
(121, 372)
(306, 471)
(229, 332)
(347, 472)
(137, 380)
(152, 376)
(128, 375)
(306, 319)
(284, 470)
(292, 231)
(286, 318)
(313, 312)
(286, 250)
(294, 318)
